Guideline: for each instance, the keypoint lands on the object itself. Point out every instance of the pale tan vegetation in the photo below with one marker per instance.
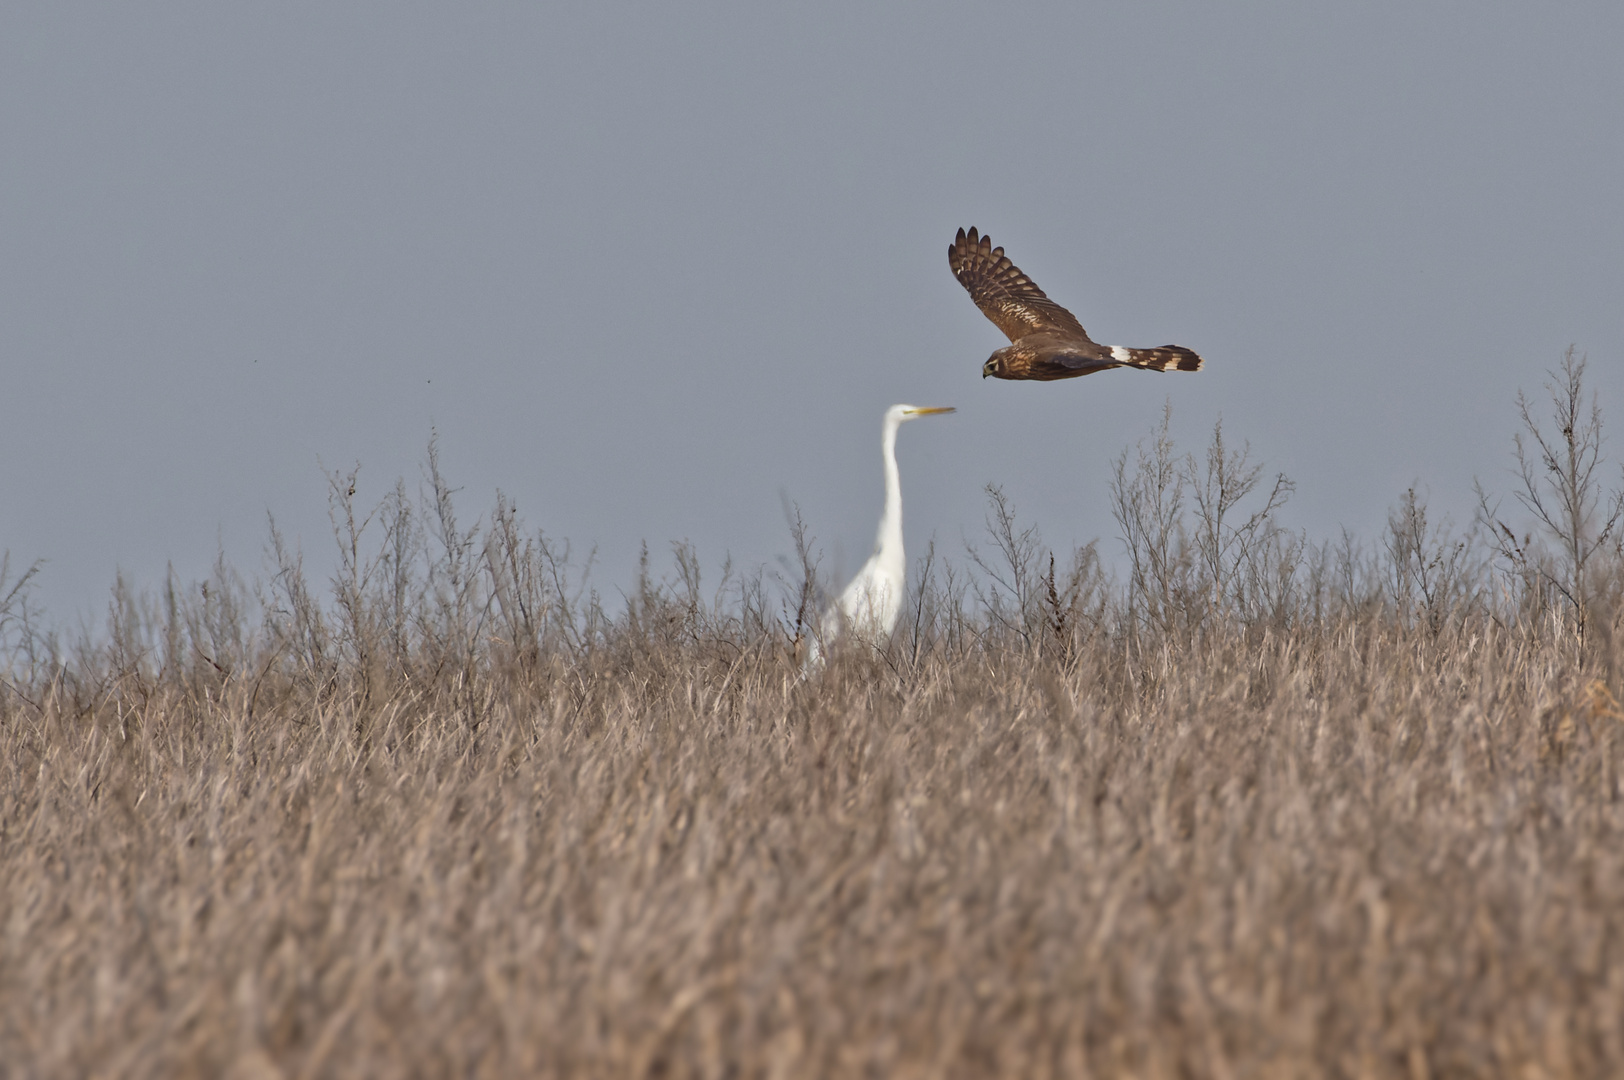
(1259, 808)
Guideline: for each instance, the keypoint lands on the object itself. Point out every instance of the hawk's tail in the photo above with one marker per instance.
(1166, 358)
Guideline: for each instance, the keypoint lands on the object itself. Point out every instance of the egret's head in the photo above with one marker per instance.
(914, 412)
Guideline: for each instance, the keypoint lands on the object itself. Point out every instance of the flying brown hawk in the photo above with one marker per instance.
(1049, 342)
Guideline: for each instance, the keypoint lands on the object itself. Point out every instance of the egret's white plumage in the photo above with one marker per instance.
(869, 606)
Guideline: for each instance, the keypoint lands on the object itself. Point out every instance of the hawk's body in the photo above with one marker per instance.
(1048, 341)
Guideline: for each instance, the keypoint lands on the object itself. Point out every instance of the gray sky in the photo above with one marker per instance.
(648, 269)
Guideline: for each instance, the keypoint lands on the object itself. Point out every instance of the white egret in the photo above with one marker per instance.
(869, 606)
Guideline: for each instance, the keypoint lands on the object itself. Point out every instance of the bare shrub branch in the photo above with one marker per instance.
(1559, 482)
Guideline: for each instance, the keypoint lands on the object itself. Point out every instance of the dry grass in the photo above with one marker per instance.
(1276, 812)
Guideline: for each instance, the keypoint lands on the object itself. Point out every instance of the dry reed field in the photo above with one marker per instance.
(1251, 807)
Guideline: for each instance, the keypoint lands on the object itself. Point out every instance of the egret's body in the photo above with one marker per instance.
(870, 605)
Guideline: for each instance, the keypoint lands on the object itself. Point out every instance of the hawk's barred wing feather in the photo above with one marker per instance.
(1005, 295)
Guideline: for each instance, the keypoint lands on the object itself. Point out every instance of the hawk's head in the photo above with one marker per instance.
(997, 364)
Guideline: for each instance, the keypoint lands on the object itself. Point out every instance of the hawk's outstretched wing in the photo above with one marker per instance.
(1004, 294)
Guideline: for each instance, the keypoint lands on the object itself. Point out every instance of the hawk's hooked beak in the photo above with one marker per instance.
(988, 368)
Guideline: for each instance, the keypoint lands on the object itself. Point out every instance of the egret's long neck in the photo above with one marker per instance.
(889, 540)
